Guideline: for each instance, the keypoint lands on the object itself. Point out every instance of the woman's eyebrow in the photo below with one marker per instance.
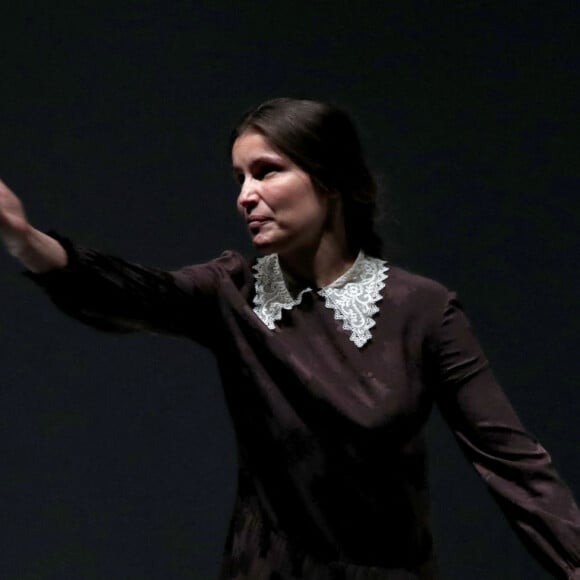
(263, 158)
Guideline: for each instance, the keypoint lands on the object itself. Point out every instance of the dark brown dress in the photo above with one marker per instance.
(331, 437)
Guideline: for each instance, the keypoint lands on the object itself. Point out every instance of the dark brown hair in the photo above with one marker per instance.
(322, 140)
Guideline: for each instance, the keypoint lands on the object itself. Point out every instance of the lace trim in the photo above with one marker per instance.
(353, 296)
(271, 293)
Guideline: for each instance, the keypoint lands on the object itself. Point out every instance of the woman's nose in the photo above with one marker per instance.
(249, 195)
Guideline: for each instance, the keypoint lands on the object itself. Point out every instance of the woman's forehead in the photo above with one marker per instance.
(250, 146)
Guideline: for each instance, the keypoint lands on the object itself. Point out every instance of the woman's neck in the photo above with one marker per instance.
(318, 267)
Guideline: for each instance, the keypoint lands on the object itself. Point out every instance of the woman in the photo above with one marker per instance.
(331, 362)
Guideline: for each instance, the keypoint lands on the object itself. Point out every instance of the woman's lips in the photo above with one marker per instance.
(255, 221)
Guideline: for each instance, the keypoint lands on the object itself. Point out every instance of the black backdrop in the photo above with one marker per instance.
(117, 456)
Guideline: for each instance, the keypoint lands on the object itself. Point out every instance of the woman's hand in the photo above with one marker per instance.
(37, 251)
(14, 227)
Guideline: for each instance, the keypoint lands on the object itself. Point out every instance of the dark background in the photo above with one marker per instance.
(117, 457)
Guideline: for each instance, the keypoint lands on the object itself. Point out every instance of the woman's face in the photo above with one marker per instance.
(283, 210)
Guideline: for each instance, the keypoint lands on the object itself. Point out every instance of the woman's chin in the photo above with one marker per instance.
(263, 244)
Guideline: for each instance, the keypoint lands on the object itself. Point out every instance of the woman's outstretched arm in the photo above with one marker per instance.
(516, 468)
(112, 294)
(38, 252)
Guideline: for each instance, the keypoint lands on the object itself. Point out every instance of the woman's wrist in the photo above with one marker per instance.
(39, 252)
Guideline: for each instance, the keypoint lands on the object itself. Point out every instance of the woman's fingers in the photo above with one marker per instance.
(10, 205)
(14, 226)
(37, 251)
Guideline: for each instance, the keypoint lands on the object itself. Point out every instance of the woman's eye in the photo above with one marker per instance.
(265, 171)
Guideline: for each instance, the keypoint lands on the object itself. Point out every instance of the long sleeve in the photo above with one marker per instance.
(111, 294)
(516, 468)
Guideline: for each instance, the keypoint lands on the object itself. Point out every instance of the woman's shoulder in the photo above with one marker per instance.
(404, 287)
(407, 279)
(230, 265)
(227, 261)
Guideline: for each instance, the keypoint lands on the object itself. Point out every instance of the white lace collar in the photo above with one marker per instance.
(353, 296)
